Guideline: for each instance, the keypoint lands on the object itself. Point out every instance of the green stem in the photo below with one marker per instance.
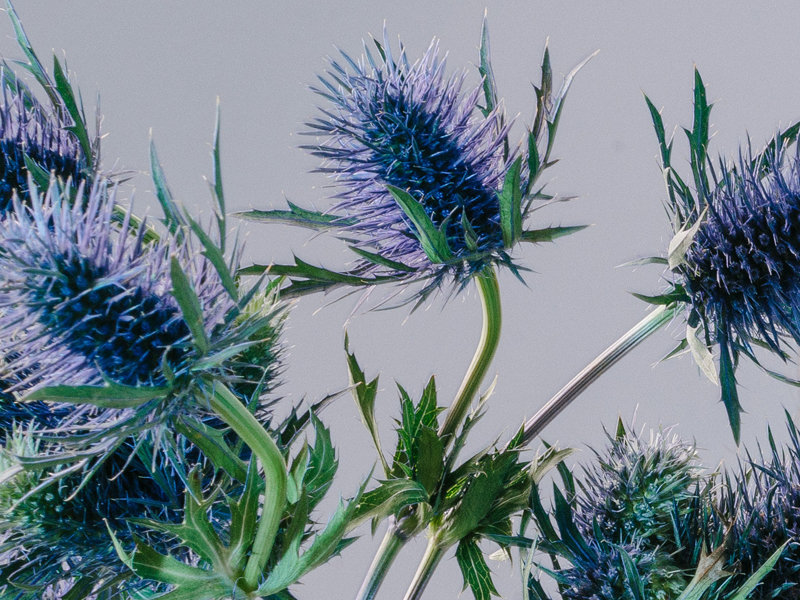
(264, 448)
(641, 331)
(430, 560)
(392, 542)
(489, 291)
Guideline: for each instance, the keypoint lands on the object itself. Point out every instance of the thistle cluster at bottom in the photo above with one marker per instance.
(646, 522)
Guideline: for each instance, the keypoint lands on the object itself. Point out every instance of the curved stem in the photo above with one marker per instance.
(264, 448)
(430, 560)
(392, 542)
(489, 291)
(641, 331)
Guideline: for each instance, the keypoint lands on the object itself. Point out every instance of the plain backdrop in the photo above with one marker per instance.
(160, 66)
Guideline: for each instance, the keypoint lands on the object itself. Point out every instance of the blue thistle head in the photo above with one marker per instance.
(86, 302)
(29, 130)
(410, 126)
(429, 186)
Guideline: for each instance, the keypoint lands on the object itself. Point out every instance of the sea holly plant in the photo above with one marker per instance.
(145, 453)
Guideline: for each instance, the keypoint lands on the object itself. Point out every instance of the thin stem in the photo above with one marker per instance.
(247, 427)
(489, 291)
(641, 331)
(430, 560)
(392, 542)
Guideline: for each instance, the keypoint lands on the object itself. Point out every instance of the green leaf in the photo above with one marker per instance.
(216, 187)
(40, 176)
(214, 254)
(213, 445)
(475, 571)
(189, 304)
(432, 240)
(680, 243)
(322, 463)
(700, 352)
(292, 567)
(389, 498)
(486, 72)
(244, 513)
(430, 459)
(297, 216)
(34, 64)
(730, 395)
(510, 199)
(548, 234)
(364, 394)
(634, 580)
(149, 564)
(748, 586)
(109, 395)
(677, 294)
(381, 260)
(64, 90)
(172, 216)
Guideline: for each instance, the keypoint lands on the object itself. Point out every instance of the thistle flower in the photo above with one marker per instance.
(634, 525)
(85, 302)
(30, 131)
(410, 126)
(56, 537)
(429, 185)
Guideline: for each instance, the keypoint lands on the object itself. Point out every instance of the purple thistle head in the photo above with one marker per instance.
(412, 127)
(85, 301)
(28, 129)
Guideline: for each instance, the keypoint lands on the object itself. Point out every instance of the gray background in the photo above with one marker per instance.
(161, 66)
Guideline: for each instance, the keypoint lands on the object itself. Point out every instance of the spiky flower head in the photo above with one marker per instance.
(84, 302)
(32, 134)
(55, 537)
(735, 255)
(411, 126)
(638, 488)
(429, 185)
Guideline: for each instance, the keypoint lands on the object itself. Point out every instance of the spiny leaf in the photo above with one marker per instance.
(189, 304)
(297, 216)
(172, 216)
(432, 239)
(510, 199)
(475, 571)
(109, 395)
(548, 234)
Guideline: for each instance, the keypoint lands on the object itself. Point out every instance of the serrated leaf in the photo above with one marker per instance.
(364, 394)
(244, 513)
(389, 498)
(213, 445)
(544, 464)
(680, 243)
(700, 352)
(474, 570)
(189, 304)
(216, 186)
(109, 395)
(322, 463)
(510, 199)
(377, 259)
(548, 234)
(486, 72)
(297, 216)
(432, 239)
(430, 459)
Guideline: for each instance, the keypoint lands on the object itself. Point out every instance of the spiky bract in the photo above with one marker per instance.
(411, 126)
(28, 129)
